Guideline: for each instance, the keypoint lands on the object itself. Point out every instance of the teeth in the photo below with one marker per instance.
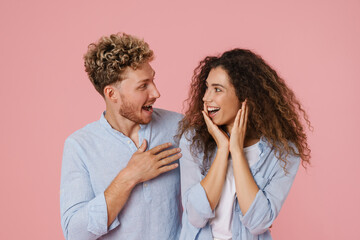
(149, 105)
(212, 109)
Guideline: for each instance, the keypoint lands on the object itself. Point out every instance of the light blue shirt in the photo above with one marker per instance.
(92, 158)
(273, 183)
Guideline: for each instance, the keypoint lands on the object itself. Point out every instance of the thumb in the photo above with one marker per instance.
(143, 146)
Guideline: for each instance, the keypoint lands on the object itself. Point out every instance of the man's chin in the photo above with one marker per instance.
(144, 119)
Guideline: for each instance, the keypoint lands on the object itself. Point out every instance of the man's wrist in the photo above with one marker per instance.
(129, 177)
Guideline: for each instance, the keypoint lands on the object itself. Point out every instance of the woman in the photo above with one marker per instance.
(242, 139)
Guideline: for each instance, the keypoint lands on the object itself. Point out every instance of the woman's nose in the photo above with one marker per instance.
(206, 96)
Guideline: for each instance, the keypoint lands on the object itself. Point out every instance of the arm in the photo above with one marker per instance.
(85, 216)
(201, 194)
(246, 188)
(215, 178)
(195, 203)
(260, 202)
(271, 196)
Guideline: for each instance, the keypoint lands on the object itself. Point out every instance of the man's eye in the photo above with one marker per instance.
(143, 86)
(217, 90)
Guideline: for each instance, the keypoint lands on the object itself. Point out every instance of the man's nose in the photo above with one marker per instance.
(155, 92)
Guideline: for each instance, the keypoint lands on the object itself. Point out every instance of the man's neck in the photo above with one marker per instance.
(123, 125)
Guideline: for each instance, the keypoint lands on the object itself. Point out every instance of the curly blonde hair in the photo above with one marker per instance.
(107, 59)
(274, 111)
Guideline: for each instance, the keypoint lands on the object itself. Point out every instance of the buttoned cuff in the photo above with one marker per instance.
(98, 216)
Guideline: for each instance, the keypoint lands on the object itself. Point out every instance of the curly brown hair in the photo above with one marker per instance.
(274, 111)
(107, 59)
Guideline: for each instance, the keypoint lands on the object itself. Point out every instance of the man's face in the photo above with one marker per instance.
(137, 94)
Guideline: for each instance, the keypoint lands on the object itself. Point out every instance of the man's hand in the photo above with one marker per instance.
(143, 166)
(146, 165)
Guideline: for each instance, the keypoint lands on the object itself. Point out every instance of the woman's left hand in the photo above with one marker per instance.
(238, 132)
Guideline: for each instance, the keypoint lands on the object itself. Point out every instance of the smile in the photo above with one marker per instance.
(212, 111)
(148, 107)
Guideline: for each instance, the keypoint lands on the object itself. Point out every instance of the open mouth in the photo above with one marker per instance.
(148, 108)
(212, 111)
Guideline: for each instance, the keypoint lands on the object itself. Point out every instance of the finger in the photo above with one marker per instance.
(237, 118)
(208, 121)
(243, 107)
(168, 160)
(168, 168)
(246, 115)
(143, 146)
(206, 109)
(206, 118)
(159, 148)
(167, 153)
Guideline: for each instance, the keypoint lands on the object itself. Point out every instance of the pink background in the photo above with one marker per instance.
(45, 94)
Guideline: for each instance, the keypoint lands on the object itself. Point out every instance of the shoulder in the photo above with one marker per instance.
(268, 152)
(186, 144)
(85, 134)
(166, 115)
(165, 119)
(187, 136)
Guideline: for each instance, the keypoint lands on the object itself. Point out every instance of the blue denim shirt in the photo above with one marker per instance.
(92, 158)
(273, 183)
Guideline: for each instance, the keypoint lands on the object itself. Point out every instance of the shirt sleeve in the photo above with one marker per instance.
(194, 199)
(270, 197)
(83, 215)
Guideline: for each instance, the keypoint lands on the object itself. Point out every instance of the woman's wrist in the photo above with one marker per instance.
(222, 146)
(237, 150)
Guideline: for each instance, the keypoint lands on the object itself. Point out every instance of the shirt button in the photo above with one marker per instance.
(128, 141)
(145, 184)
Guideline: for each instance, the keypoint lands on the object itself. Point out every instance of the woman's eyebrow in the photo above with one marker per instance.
(217, 85)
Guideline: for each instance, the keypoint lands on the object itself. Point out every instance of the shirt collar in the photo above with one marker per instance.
(104, 122)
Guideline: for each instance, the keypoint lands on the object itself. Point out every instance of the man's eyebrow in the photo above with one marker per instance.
(147, 79)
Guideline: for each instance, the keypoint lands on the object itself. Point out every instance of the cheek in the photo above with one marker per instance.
(139, 99)
(232, 108)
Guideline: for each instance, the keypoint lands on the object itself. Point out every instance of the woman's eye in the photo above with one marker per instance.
(217, 90)
(143, 86)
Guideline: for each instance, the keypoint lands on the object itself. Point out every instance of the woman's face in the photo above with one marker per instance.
(220, 98)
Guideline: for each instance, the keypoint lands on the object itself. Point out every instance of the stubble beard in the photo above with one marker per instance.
(127, 110)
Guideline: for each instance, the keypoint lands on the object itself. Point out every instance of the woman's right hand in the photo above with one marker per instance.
(220, 137)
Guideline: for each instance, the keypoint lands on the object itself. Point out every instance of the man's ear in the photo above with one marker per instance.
(111, 93)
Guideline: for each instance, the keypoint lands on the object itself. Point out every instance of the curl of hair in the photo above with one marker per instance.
(274, 111)
(107, 59)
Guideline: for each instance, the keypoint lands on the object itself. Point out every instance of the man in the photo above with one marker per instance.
(120, 175)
